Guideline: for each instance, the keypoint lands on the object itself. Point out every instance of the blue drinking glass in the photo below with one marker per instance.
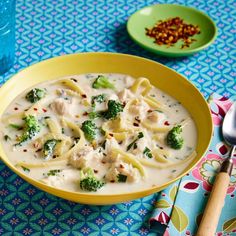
(7, 34)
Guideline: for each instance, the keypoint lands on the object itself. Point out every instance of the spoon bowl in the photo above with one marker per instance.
(229, 125)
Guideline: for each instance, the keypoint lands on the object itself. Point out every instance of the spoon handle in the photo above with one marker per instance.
(215, 202)
(214, 206)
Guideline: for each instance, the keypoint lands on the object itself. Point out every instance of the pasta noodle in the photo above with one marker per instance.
(118, 134)
(130, 159)
(141, 82)
(72, 85)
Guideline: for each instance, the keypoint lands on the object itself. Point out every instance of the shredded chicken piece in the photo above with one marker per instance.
(125, 95)
(61, 106)
(139, 109)
(81, 159)
(156, 117)
(120, 167)
(110, 143)
(128, 81)
(153, 116)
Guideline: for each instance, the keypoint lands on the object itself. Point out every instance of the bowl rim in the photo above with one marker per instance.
(169, 52)
(99, 197)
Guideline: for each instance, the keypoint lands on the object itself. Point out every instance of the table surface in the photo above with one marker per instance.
(46, 29)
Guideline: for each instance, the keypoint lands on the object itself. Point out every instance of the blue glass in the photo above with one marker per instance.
(7, 34)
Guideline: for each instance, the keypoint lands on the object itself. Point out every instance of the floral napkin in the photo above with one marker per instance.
(178, 209)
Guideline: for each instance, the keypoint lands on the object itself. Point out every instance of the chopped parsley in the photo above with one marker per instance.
(103, 145)
(133, 144)
(121, 178)
(7, 137)
(53, 172)
(15, 126)
(147, 152)
(25, 169)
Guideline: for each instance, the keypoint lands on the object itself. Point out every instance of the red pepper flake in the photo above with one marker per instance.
(75, 80)
(16, 108)
(137, 119)
(149, 111)
(112, 181)
(35, 145)
(35, 108)
(169, 31)
(103, 162)
(136, 124)
(121, 166)
(25, 150)
(166, 123)
(85, 113)
(161, 147)
(44, 110)
(95, 171)
(84, 96)
(111, 134)
(39, 150)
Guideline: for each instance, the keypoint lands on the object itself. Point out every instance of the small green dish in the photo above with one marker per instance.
(148, 16)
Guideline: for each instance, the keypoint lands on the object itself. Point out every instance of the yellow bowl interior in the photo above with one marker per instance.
(160, 76)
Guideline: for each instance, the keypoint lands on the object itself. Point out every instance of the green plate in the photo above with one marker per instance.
(148, 16)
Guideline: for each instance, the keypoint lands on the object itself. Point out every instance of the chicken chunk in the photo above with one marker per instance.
(120, 167)
(110, 143)
(128, 81)
(61, 106)
(68, 177)
(156, 117)
(81, 159)
(139, 109)
(125, 95)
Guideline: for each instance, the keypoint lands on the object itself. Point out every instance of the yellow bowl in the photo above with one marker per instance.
(161, 76)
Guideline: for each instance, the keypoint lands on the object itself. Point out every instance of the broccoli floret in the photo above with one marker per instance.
(174, 139)
(30, 129)
(89, 128)
(94, 114)
(88, 180)
(114, 108)
(99, 98)
(102, 82)
(49, 146)
(35, 95)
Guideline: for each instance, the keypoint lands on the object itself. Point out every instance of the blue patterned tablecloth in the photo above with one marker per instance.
(48, 28)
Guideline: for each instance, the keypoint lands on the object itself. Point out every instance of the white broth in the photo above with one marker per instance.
(121, 132)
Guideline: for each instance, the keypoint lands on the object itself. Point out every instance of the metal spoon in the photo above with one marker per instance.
(215, 203)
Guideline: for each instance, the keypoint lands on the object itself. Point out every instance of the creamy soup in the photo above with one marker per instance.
(105, 133)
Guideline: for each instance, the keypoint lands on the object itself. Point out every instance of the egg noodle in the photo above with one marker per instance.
(130, 143)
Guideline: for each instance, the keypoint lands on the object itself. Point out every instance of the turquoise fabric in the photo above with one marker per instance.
(48, 28)
(179, 207)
